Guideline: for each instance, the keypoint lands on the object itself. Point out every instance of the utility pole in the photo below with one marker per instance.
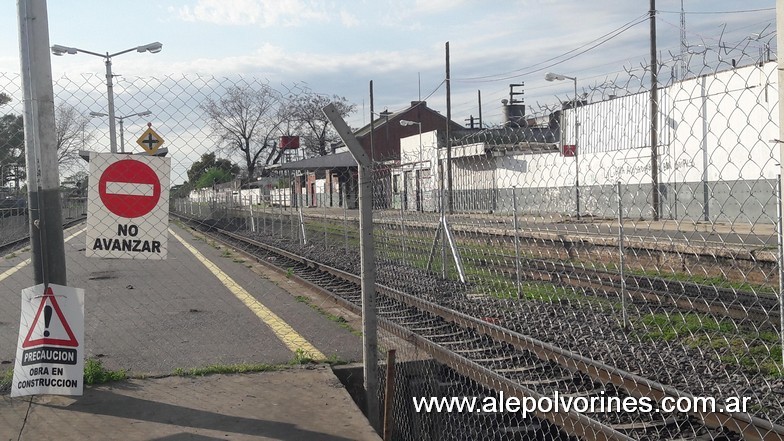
(46, 226)
(479, 99)
(448, 142)
(654, 135)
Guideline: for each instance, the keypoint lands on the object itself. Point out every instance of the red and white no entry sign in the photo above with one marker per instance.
(128, 206)
(129, 188)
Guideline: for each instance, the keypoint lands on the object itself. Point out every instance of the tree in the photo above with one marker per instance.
(317, 131)
(213, 176)
(208, 162)
(76, 184)
(12, 163)
(247, 121)
(70, 133)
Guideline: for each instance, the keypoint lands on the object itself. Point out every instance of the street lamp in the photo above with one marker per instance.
(121, 119)
(152, 48)
(404, 122)
(558, 77)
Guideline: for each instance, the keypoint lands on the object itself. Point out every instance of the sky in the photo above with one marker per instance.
(338, 47)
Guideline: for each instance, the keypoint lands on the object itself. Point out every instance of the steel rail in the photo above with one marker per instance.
(750, 427)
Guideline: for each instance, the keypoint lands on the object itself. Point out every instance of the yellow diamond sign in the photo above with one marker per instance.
(150, 141)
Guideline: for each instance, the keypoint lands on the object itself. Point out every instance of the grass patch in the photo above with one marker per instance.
(6, 379)
(754, 352)
(715, 281)
(301, 357)
(668, 327)
(95, 373)
(10, 256)
(340, 320)
(226, 369)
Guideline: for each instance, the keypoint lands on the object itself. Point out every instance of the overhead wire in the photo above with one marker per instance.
(582, 49)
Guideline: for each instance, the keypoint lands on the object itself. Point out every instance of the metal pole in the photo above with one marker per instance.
(46, 226)
(780, 44)
(654, 116)
(368, 264)
(110, 93)
(448, 143)
(443, 237)
(516, 242)
(389, 395)
(345, 224)
(576, 151)
(301, 225)
(324, 202)
(122, 137)
(621, 258)
(780, 234)
(402, 219)
(252, 220)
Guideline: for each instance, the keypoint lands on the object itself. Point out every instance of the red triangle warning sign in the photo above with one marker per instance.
(49, 297)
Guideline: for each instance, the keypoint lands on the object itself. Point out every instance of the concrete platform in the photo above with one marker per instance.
(301, 403)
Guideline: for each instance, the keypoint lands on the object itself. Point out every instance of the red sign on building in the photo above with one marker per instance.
(569, 150)
(289, 142)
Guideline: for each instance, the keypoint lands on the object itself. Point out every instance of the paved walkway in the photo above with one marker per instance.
(295, 404)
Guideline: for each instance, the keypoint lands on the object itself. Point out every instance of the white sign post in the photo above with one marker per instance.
(50, 353)
(128, 206)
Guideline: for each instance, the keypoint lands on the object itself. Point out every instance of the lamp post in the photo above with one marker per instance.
(553, 77)
(121, 119)
(405, 122)
(152, 48)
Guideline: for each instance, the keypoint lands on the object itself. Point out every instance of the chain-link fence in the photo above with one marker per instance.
(557, 253)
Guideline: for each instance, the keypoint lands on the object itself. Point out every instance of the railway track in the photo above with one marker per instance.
(506, 361)
(761, 309)
(18, 241)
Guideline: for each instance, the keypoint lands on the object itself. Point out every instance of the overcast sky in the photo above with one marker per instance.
(337, 47)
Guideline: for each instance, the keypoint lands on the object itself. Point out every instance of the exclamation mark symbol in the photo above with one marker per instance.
(47, 319)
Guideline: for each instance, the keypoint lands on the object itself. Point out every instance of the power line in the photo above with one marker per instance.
(590, 45)
(742, 11)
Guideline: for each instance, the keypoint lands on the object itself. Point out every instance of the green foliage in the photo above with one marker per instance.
(208, 164)
(213, 176)
(12, 148)
(95, 373)
(6, 378)
(301, 357)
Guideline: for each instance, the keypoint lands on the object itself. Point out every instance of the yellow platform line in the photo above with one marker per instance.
(7, 273)
(285, 333)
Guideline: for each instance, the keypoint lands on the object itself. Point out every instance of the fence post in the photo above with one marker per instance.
(516, 241)
(625, 316)
(368, 264)
(780, 237)
(324, 202)
(345, 225)
(252, 221)
(402, 224)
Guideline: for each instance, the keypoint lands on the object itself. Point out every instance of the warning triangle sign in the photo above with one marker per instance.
(48, 305)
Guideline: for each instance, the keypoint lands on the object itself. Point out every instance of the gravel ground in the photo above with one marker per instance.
(691, 365)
